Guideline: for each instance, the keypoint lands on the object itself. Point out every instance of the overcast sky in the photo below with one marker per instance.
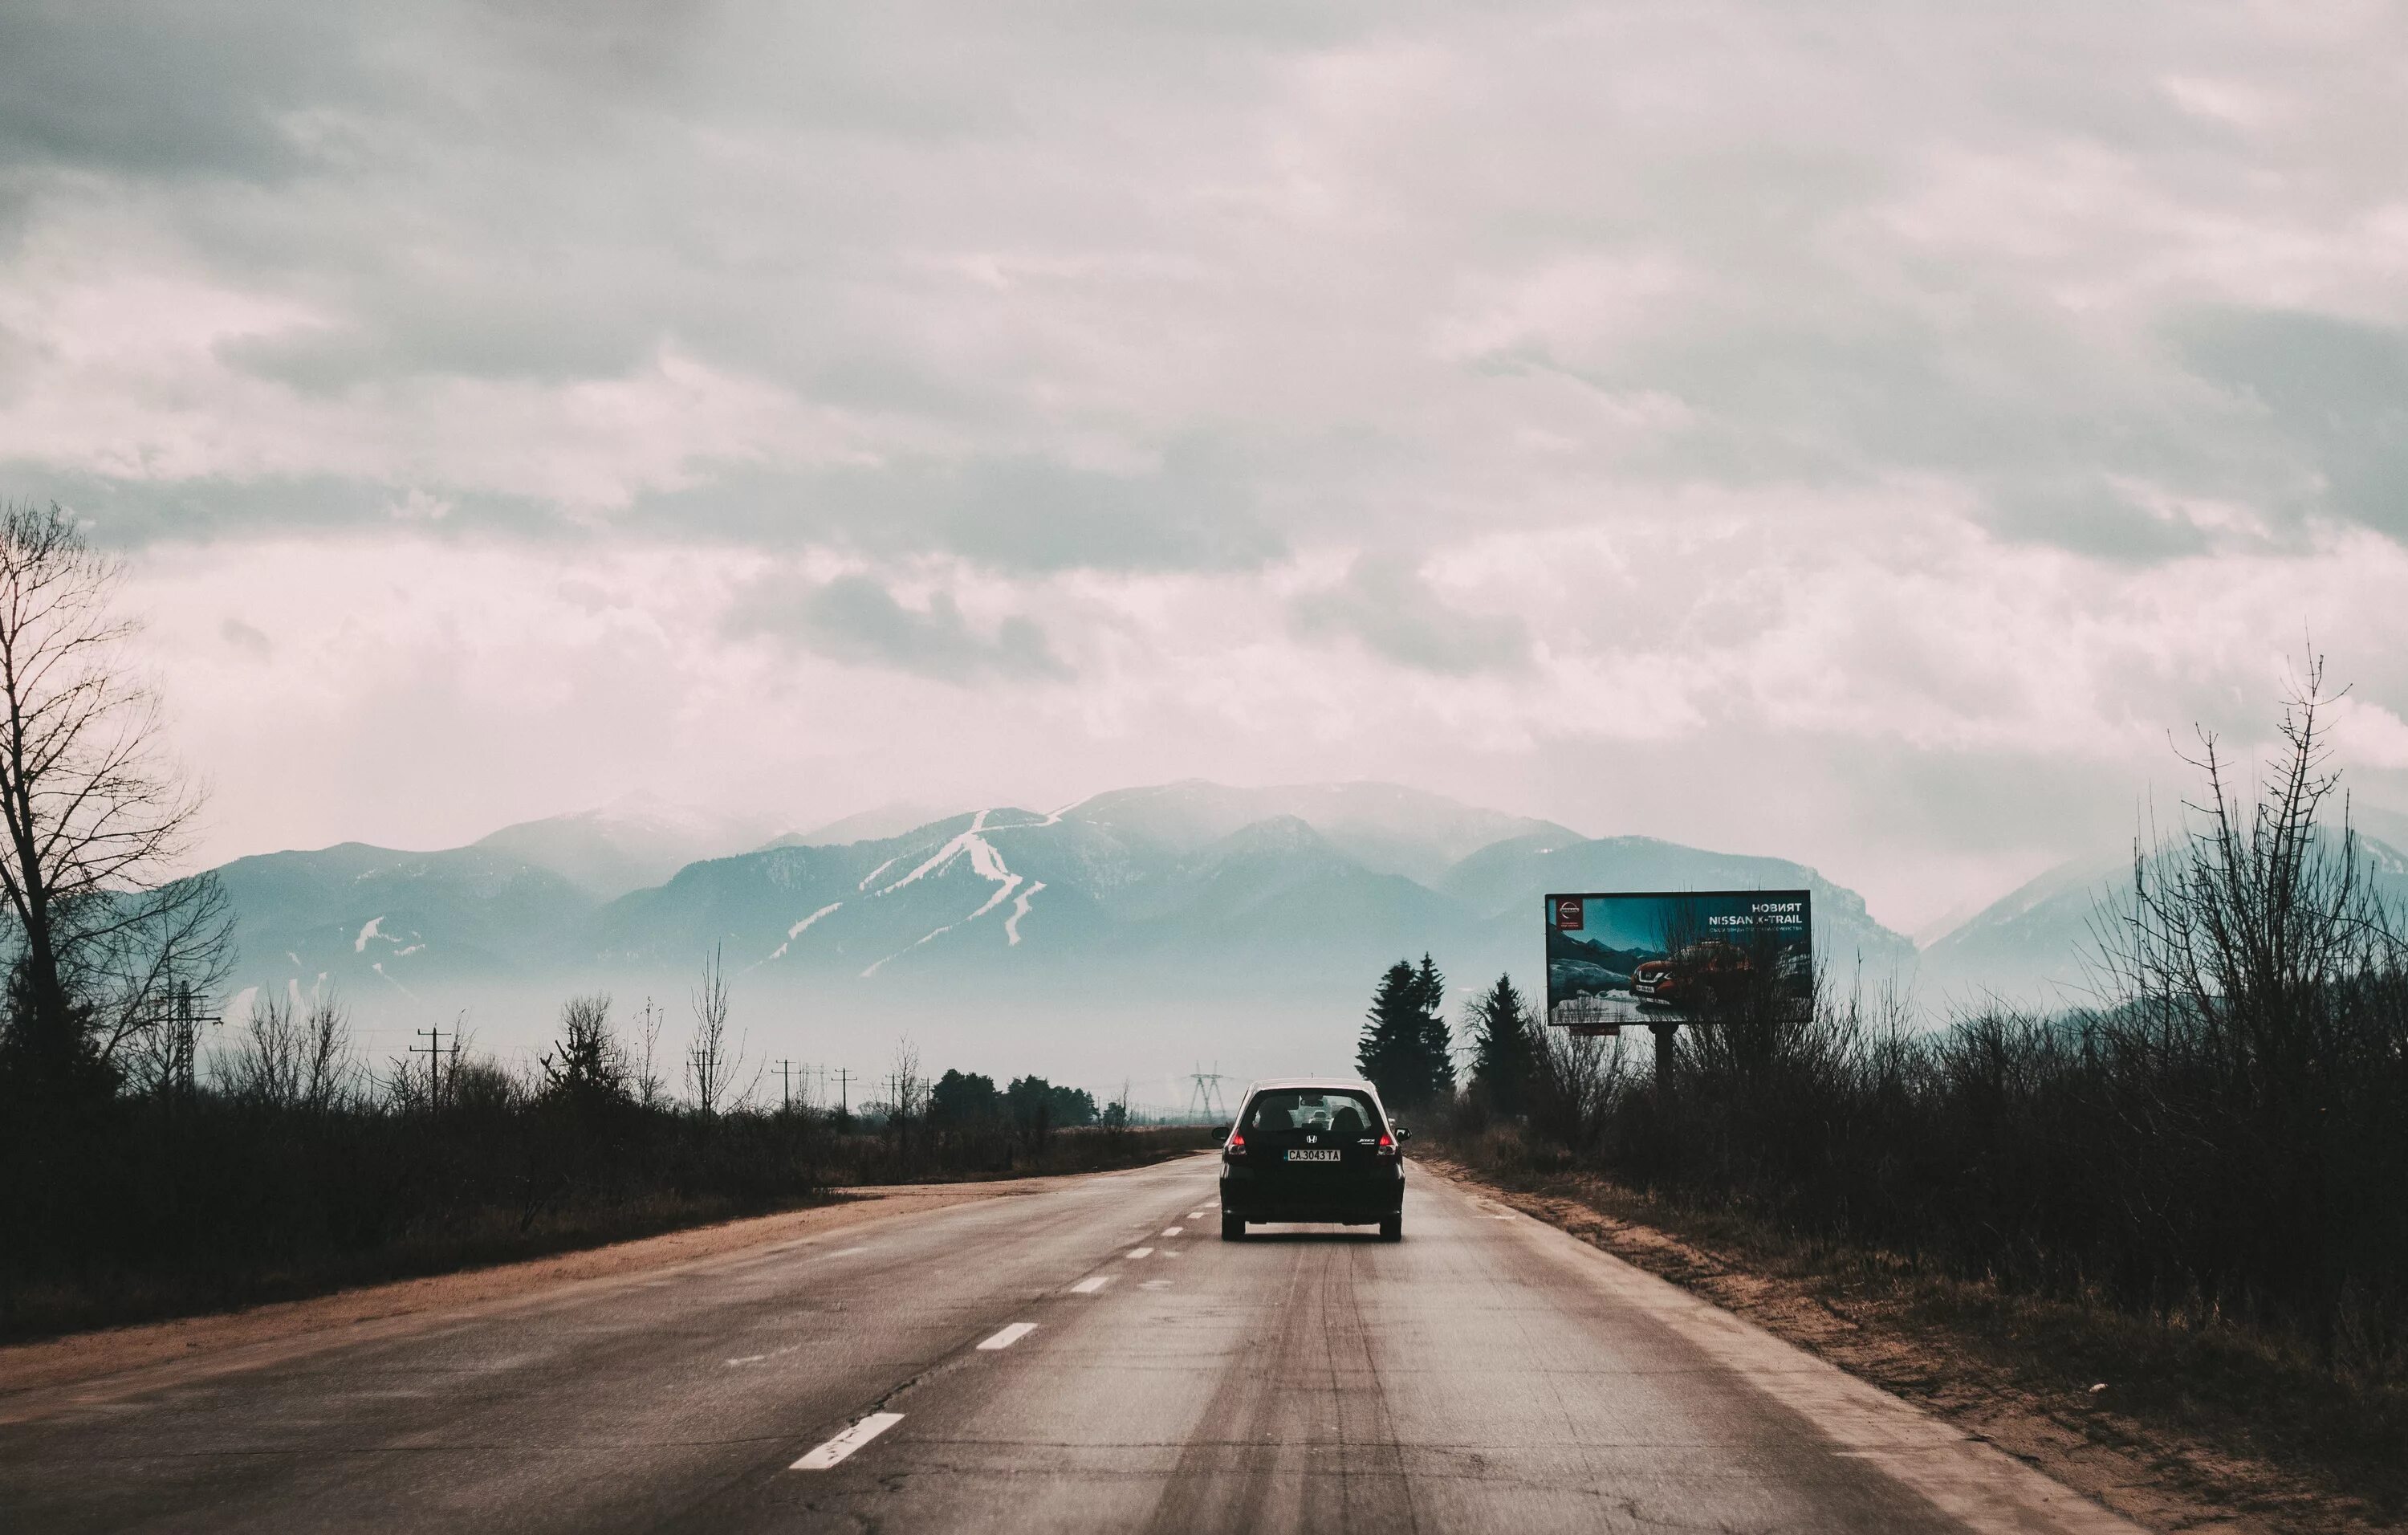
(1856, 433)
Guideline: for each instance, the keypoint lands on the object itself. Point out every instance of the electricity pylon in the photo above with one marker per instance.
(1205, 1100)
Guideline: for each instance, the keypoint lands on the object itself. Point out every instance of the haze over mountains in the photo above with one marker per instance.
(2036, 946)
(1098, 938)
(1113, 938)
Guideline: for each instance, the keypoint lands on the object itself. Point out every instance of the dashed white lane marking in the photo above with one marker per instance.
(850, 1251)
(835, 1450)
(1170, 1252)
(1090, 1285)
(1009, 1335)
(1172, 1231)
(1197, 1215)
(1140, 1252)
(773, 1353)
(1155, 1284)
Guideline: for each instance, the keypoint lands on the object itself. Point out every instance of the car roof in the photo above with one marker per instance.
(1274, 1084)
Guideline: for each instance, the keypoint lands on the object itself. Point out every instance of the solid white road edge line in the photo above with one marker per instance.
(1090, 1285)
(835, 1450)
(1970, 1480)
(1009, 1335)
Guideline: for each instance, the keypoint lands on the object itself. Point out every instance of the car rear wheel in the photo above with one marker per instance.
(1232, 1228)
(1391, 1228)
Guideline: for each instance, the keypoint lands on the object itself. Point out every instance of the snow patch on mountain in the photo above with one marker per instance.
(797, 931)
(360, 944)
(1020, 910)
(879, 964)
(875, 872)
(984, 861)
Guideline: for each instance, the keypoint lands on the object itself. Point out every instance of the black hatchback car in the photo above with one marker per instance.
(1313, 1151)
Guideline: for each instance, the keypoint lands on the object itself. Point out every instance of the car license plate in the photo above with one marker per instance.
(1313, 1155)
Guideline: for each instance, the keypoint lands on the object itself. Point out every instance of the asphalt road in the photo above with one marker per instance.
(1088, 1358)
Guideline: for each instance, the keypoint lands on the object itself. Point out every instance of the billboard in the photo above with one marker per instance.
(1676, 957)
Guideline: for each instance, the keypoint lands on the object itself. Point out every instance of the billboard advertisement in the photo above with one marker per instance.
(1676, 957)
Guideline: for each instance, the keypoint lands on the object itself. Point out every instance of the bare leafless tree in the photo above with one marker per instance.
(713, 1061)
(650, 1090)
(94, 820)
(907, 1087)
(2248, 919)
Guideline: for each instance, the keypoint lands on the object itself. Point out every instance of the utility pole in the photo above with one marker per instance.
(786, 1086)
(432, 1051)
(843, 1103)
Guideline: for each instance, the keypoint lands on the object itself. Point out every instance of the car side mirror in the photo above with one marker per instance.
(1223, 1133)
(1403, 1135)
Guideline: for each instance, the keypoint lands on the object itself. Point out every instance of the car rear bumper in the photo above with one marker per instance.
(1246, 1195)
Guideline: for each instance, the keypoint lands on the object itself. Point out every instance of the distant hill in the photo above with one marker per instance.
(1385, 828)
(627, 844)
(2031, 947)
(889, 820)
(371, 921)
(2036, 946)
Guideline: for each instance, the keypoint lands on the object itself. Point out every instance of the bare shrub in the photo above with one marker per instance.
(292, 1056)
(1576, 1082)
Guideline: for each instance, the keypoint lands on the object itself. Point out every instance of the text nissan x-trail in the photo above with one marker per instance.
(1312, 1151)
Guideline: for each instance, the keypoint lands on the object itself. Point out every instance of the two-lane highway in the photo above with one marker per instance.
(1091, 1356)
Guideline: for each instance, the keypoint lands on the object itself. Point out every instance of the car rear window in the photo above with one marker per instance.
(1332, 1110)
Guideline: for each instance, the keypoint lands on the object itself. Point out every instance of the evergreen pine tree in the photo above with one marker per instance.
(1433, 1066)
(1383, 1052)
(1500, 1068)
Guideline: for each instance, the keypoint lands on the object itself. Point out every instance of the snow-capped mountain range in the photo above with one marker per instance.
(1255, 915)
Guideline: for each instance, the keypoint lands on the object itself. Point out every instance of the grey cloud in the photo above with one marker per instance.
(2333, 392)
(166, 90)
(905, 216)
(1386, 605)
(132, 513)
(1197, 510)
(245, 638)
(856, 619)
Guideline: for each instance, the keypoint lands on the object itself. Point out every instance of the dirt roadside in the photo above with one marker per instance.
(39, 1378)
(2135, 1464)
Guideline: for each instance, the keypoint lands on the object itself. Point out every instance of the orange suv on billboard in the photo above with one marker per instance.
(1711, 967)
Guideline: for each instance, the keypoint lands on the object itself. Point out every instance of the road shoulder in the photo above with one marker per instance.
(40, 1377)
(2157, 1478)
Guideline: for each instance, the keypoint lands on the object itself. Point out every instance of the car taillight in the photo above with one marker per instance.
(1237, 1146)
(1387, 1144)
